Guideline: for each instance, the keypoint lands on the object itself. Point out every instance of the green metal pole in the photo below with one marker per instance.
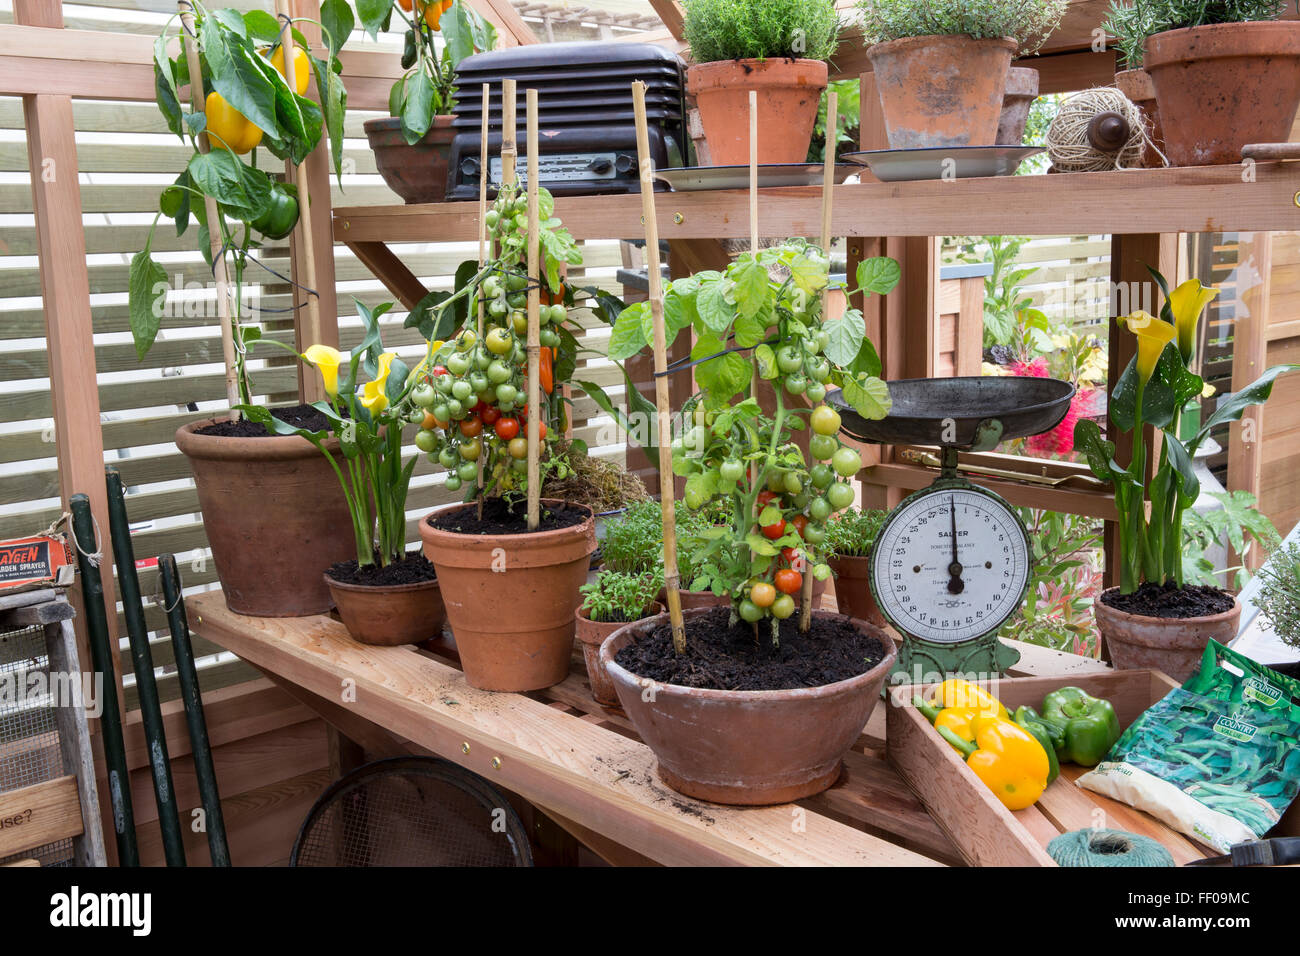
(206, 776)
(142, 660)
(110, 722)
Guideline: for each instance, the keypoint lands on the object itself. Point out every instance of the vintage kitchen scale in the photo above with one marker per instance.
(951, 563)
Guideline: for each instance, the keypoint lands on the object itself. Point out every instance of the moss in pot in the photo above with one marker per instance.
(614, 600)
(1154, 618)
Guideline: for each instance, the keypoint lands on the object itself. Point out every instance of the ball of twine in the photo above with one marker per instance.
(1067, 137)
(1107, 848)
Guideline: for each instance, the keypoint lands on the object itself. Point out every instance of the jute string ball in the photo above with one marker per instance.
(1097, 130)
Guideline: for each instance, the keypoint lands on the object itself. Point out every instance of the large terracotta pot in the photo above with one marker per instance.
(1137, 86)
(510, 599)
(1022, 90)
(747, 748)
(416, 172)
(1222, 86)
(942, 90)
(788, 94)
(591, 634)
(853, 589)
(1173, 645)
(391, 614)
(270, 549)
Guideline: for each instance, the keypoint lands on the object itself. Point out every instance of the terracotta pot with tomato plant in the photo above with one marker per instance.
(251, 480)
(757, 701)
(412, 146)
(510, 585)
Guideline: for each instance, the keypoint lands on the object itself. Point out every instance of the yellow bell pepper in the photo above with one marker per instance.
(229, 127)
(955, 692)
(1006, 757)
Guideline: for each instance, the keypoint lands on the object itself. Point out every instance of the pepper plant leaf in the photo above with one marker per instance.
(628, 336)
(145, 301)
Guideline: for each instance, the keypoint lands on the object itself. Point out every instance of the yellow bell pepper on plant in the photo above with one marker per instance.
(229, 127)
(301, 67)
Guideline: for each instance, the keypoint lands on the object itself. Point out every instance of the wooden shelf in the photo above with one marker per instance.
(1188, 199)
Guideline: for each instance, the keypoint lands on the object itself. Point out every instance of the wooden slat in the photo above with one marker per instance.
(40, 814)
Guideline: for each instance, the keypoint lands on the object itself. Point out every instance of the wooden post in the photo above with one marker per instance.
(212, 216)
(482, 241)
(645, 167)
(1249, 358)
(534, 323)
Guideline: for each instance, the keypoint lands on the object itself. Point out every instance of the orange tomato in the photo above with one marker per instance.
(762, 594)
(471, 427)
(789, 581)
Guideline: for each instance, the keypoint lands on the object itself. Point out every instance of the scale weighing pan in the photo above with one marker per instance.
(974, 412)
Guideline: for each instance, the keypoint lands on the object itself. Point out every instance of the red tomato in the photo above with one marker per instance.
(490, 415)
(471, 427)
(774, 531)
(800, 522)
(789, 581)
(766, 497)
(439, 370)
(791, 555)
(479, 406)
(507, 428)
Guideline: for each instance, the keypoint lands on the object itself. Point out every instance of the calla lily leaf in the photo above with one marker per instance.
(1170, 387)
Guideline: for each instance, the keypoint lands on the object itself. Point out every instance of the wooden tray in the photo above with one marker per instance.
(984, 831)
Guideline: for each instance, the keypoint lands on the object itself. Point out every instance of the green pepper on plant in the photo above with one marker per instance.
(1090, 725)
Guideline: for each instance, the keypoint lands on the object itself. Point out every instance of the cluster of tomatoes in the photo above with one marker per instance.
(430, 12)
(804, 370)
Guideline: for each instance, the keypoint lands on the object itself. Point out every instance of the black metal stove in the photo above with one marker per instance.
(587, 129)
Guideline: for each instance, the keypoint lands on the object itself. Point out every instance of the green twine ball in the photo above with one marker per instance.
(1107, 848)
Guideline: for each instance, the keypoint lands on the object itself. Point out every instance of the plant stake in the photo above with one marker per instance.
(534, 323)
(645, 166)
(482, 241)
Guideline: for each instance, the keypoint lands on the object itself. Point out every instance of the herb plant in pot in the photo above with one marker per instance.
(752, 703)
(1154, 618)
(941, 66)
(614, 599)
(511, 590)
(850, 536)
(1131, 24)
(778, 48)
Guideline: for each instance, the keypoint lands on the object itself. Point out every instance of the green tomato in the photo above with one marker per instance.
(823, 446)
(462, 389)
(519, 464)
(732, 471)
(792, 482)
(482, 359)
(497, 308)
(457, 363)
(517, 300)
(788, 359)
(749, 611)
(776, 482)
(824, 420)
(498, 372)
(426, 440)
(819, 370)
(812, 345)
(548, 338)
(424, 395)
(822, 476)
(823, 340)
(796, 384)
(441, 412)
(816, 392)
(453, 483)
(819, 509)
(491, 220)
(847, 462)
(814, 534)
(448, 457)
(559, 314)
(455, 410)
(840, 496)
(516, 282)
(468, 471)
(478, 381)
(443, 383)
(822, 572)
(506, 393)
(783, 607)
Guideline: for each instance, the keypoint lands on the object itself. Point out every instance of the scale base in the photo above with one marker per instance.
(925, 662)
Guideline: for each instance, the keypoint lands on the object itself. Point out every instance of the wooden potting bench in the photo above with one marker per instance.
(582, 764)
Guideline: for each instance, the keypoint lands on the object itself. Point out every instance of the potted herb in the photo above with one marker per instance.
(755, 705)
(850, 536)
(614, 599)
(941, 66)
(1131, 24)
(778, 48)
(510, 590)
(1226, 73)
(251, 483)
(412, 146)
(384, 595)
(1154, 618)
(1278, 600)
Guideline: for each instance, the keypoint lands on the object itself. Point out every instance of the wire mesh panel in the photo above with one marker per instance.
(412, 811)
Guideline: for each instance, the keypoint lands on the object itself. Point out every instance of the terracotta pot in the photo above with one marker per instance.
(269, 550)
(416, 172)
(696, 599)
(788, 94)
(1022, 90)
(510, 599)
(747, 747)
(853, 589)
(591, 634)
(1137, 86)
(388, 615)
(1222, 86)
(1173, 645)
(942, 90)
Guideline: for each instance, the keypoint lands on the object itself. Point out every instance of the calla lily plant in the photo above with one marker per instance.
(1153, 390)
(367, 417)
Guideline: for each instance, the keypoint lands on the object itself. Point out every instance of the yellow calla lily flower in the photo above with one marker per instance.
(327, 360)
(1187, 302)
(1152, 336)
(373, 396)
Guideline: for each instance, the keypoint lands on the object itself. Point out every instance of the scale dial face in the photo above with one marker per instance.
(937, 593)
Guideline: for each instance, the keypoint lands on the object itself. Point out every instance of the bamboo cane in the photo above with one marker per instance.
(645, 166)
(482, 242)
(534, 323)
(753, 172)
(828, 185)
(509, 148)
(211, 213)
(313, 387)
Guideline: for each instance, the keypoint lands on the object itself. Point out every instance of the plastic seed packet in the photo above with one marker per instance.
(1217, 758)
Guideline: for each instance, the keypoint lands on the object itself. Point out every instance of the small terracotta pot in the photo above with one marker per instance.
(788, 94)
(1222, 86)
(417, 172)
(1173, 645)
(1022, 90)
(591, 634)
(751, 747)
(392, 614)
(269, 550)
(510, 599)
(1137, 86)
(853, 589)
(942, 90)
(695, 599)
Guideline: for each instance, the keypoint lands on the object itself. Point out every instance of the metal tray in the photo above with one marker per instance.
(693, 178)
(942, 162)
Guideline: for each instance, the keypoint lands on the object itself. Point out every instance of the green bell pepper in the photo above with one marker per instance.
(1051, 736)
(1090, 725)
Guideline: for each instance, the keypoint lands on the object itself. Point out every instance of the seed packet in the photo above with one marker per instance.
(1217, 758)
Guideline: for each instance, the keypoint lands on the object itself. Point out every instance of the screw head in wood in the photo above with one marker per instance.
(678, 218)
(1296, 199)
(496, 763)
(464, 747)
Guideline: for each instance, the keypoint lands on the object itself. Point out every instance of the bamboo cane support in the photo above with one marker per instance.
(753, 172)
(535, 413)
(482, 242)
(509, 118)
(219, 277)
(645, 166)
